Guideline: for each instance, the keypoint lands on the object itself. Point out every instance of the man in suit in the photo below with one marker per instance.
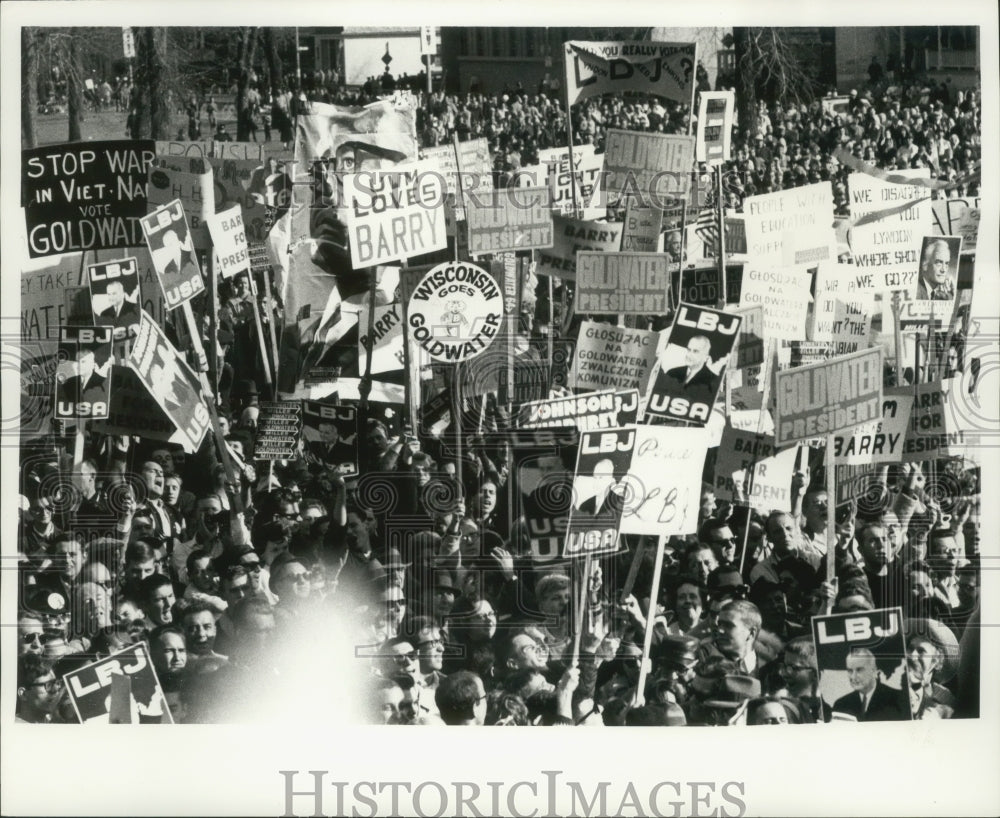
(694, 381)
(869, 699)
(330, 448)
(606, 503)
(122, 313)
(88, 385)
(935, 281)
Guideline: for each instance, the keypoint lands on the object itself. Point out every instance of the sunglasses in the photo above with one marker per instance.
(405, 658)
(31, 638)
(251, 566)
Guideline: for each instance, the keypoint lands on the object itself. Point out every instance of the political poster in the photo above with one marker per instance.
(84, 196)
(749, 349)
(262, 190)
(828, 397)
(279, 427)
(835, 105)
(935, 290)
(587, 167)
(783, 294)
(623, 283)
(861, 658)
(890, 220)
(455, 312)
(654, 168)
(83, 373)
(841, 316)
(168, 378)
(239, 151)
(716, 110)
(664, 481)
(749, 469)
(656, 68)
(881, 441)
(386, 334)
(198, 149)
(610, 357)
(642, 227)
(133, 410)
(476, 168)
(509, 219)
(587, 412)
(173, 254)
(792, 227)
(934, 430)
(330, 436)
(600, 492)
(195, 192)
(395, 214)
(701, 284)
(230, 242)
(691, 363)
(957, 217)
(89, 687)
(570, 236)
(115, 295)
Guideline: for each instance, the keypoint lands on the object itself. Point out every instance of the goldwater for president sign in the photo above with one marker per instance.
(828, 397)
(455, 312)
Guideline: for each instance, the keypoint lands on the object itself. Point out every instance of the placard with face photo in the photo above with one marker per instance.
(115, 295)
(330, 434)
(83, 374)
(936, 286)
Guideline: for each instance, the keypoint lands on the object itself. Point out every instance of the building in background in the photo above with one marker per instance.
(359, 52)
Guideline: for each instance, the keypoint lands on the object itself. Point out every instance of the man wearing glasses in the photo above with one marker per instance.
(461, 700)
(29, 634)
(719, 537)
(37, 690)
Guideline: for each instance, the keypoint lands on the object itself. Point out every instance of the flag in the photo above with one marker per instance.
(707, 228)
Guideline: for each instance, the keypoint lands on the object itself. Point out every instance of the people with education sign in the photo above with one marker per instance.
(83, 377)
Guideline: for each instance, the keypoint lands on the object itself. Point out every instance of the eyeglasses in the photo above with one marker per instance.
(289, 515)
(789, 667)
(31, 638)
(434, 643)
(395, 603)
(303, 577)
(50, 686)
(404, 658)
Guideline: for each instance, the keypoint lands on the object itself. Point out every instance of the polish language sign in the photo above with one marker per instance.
(783, 294)
(612, 357)
(589, 412)
(623, 283)
(513, 218)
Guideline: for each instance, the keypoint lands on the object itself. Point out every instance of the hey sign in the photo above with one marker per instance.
(596, 410)
(828, 397)
(173, 254)
(587, 167)
(230, 240)
(89, 687)
(600, 491)
(656, 168)
(115, 296)
(624, 283)
(455, 312)
(513, 218)
(83, 373)
(84, 196)
(715, 126)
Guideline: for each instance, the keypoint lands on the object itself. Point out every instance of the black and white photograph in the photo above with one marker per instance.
(115, 296)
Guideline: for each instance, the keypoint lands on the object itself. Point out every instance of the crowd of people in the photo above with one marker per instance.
(455, 619)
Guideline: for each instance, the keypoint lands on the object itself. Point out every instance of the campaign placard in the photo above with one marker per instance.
(828, 397)
(476, 169)
(115, 295)
(958, 217)
(168, 378)
(173, 254)
(455, 312)
(588, 412)
(935, 429)
(642, 228)
(508, 219)
(934, 291)
(836, 105)
(133, 411)
(83, 373)
(600, 492)
(702, 284)
(394, 214)
(749, 350)
(881, 441)
(691, 364)
(196, 193)
(571, 236)
(230, 240)
(655, 168)
(891, 221)
(387, 336)
(544, 463)
(862, 665)
(84, 196)
(791, 227)
(612, 357)
(89, 687)
(623, 283)
(783, 294)
(841, 316)
(609, 67)
(750, 469)
(587, 166)
(715, 126)
(279, 427)
(330, 435)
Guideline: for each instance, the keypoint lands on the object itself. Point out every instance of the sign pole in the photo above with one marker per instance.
(584, 587)
(694, 89)
(633, 569)
(460, 201)
(831, 517)
(365, 387)
(897, 308)
(260, 332)
(411, 380)
(456, 411)
(647, 640)
(721, 214)
(270, 320)
(569, 141)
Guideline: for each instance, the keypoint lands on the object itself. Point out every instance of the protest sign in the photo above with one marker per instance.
(934, 290)
(570, 236)
(828, 397)
(701, 284)
(664, 481)
(89, 687)
(168, 378)
(612, 357)
(195, 192)
(623, 283)
(83, 373)
(241, 151)
(784, 296)
(330, 434)
(715, 126)
(544, 464)
(455, 312)
(509, 219)
(261, 191)
(881, 441)
(749, 351)
(230, 240)
(654, 168)
(587, 166)
(900, 216)
(641, 231)
(841, 316)
(133, 411)
(691, 364)
(199, 149)
(588, 412)
(791, 227)
(934, 429)
(476, 169)
(749, 469)
(863, 653)
(115, 296)
(394, 214)
(836, 105)
(387, 335)
(657, 68)
(84, 196)
(600, 492)
(173, 254)
(279, 426)
(957, 217)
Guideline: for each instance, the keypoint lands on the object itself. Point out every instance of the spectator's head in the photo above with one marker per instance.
(199, 628)
(38, 690)
(29, 633)
(461, 699)
(737, 629)
(156, 595)
(168, 648)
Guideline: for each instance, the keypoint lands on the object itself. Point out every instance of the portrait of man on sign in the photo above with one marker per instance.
(83, 374)
(115, 296)
(938, 268)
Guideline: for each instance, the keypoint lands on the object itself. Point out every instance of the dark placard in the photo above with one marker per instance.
(331, 436)
(82, 375)
(115, 295)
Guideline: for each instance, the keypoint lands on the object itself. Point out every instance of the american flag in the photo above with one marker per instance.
(707, 228)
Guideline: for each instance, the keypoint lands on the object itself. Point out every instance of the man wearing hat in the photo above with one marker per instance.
(727, 701)
(932, 656)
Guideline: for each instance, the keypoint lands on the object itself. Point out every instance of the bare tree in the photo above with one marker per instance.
(153, 96)
(29, 85)
(244, 62)
(74, 79)
(274, 68)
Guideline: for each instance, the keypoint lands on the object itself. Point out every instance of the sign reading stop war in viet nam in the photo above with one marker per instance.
(784, 296)
(173, 254)
(115, 296)
(230, 240)
(455, 312)
(596, 410)
(84, 196)
(395, 214)
(663, 69)
(743, 451)
(891, 242)
(881, 441)
(195, 192)
(600, 492)
(587, 166)
(624, 283)
(828, 397)
(89, 687)
(641, 232)
(791, 227)
(612, 357)
(83, 373)
(165, 373)
(664, 481)
(655, 168)
(513, 218)
(279, 426)
(570, 236)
